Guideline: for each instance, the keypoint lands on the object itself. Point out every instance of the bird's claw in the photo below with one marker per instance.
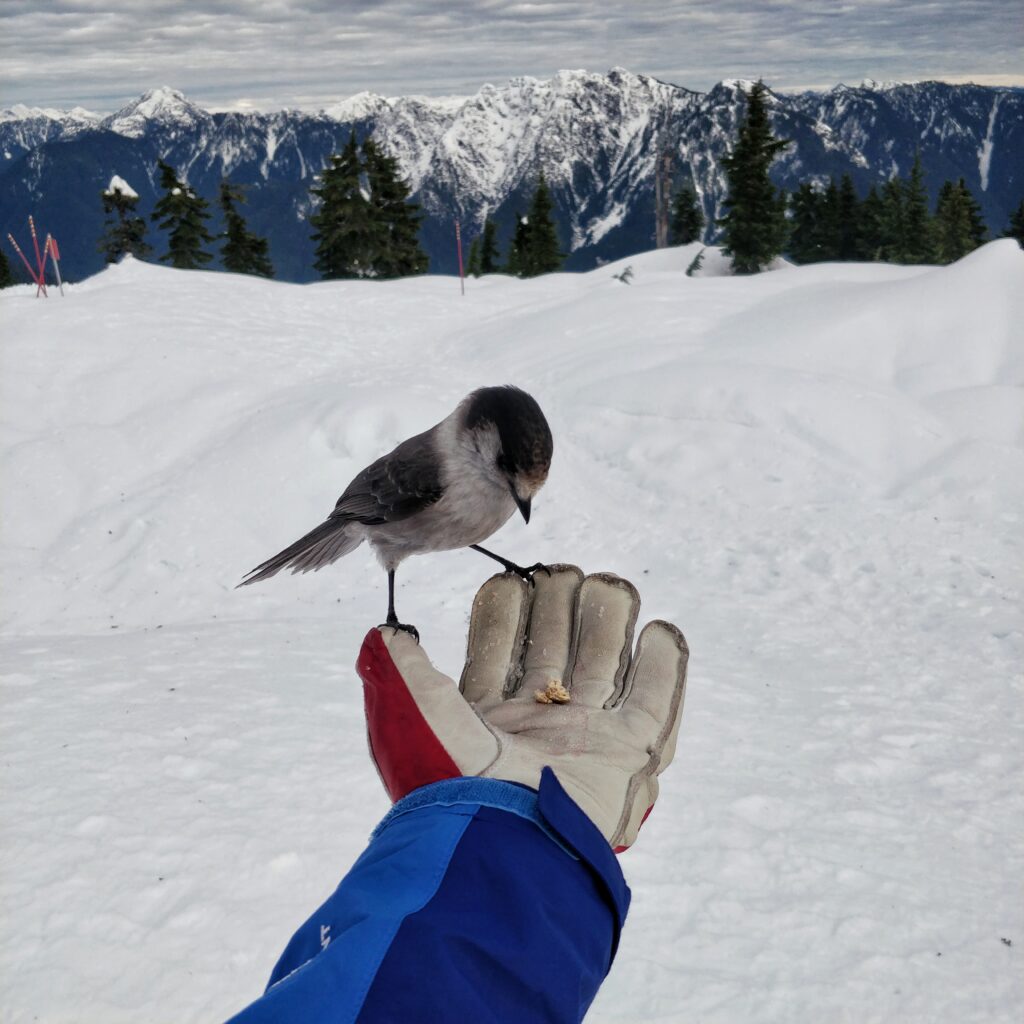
(404, 627)
(527, 572)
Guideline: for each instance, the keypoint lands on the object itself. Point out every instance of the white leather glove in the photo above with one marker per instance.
(607, 744)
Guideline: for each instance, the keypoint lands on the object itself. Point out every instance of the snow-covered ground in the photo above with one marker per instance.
(818, 473)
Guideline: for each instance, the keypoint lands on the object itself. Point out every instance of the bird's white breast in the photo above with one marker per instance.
(476, 502)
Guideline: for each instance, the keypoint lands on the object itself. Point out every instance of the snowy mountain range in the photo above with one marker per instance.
(595, 136)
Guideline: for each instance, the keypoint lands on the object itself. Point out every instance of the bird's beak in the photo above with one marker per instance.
(524, 506)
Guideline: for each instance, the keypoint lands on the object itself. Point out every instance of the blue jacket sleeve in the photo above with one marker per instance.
(476, 900)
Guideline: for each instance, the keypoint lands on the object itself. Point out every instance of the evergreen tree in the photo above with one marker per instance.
(345, 232)
(181, 212)
(687, 223)
(804, 225)
(959, 228)
(979, 230)
(895, 245)
(1015, 229)
(825, 225)
(489, 248)
(518, 250)
(869, 240)
(920, 240)
(830, 224)
(125, 232)
(849, 221)
(542, 254)
(243, 252)
(754, 228)
(395, 221)
(6, 275)
(473, 263)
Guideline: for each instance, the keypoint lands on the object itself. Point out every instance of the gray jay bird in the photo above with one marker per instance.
(449, 487)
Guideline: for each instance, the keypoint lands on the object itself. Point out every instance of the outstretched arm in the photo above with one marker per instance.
(491, 891)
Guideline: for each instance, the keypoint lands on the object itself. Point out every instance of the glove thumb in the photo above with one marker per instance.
(419, 726)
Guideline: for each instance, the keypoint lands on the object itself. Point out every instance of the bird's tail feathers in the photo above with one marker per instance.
(321, 546)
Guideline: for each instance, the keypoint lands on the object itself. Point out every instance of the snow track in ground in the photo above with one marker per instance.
(818, 473)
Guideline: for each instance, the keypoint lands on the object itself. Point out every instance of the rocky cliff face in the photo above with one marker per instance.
(595, 136)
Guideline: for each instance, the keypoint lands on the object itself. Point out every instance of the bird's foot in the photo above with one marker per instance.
(527, 572)
(404, 627)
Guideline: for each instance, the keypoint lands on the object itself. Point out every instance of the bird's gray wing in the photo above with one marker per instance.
(396, 486)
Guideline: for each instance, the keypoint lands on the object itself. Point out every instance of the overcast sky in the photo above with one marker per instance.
(270, 54)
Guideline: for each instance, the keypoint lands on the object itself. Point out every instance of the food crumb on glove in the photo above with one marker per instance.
(555, 693)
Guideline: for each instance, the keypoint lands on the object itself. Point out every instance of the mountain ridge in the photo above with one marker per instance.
(596, 137)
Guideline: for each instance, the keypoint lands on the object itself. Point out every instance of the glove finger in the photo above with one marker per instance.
(606, 612)
(550, 632)
(654, 691)
(420, 727)
(496, 630)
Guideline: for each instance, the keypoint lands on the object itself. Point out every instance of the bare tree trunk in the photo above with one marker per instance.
(662, 197)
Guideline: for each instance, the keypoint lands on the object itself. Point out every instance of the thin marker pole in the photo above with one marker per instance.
(46, 255)
(55, 253)
(458, 245)
(28, 266)
(40, 283)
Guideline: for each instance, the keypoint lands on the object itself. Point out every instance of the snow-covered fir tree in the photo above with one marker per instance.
(395, 220)
(125, 230)
(754, 227)
(182, 213)
(242, 252)
(687, 221)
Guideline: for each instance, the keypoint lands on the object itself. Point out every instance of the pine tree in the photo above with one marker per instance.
(396, 221)
(489, 248)
(687, 223)
(518, 250)
(804, 225)
(473, 263)
(895, 246)
(979, 230)
(830, 225)
(952, 226)
(920, 240)
(870, 227)
(181, 212)
(754, 228)
(125, 233)
(345, 229)
(6, 277)
(543, 254)
(1015, 229)
(243, 252)
(849, 220)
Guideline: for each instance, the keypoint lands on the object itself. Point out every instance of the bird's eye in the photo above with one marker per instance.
(502, 462)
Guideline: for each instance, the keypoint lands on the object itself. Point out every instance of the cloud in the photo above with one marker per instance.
(275, 53)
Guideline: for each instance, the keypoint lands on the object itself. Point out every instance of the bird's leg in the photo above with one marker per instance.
(392, 619)
(525, 571)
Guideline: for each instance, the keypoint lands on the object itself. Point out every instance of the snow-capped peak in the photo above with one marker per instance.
(358, 107)
(20, 112)
(888, 86)
(164, 105)
(742, 84)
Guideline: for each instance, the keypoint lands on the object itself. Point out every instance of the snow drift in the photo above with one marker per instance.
(817, 472)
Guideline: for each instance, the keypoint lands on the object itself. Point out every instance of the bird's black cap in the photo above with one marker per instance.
(525, 436)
